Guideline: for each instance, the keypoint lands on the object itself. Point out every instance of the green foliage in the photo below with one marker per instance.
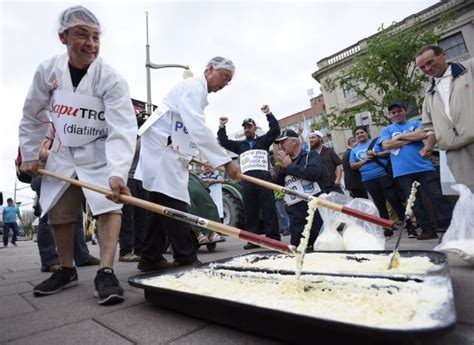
(383, 72)
(323, 122)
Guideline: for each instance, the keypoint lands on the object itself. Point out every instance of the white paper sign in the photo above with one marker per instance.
(254, 160)
(180, 138)
(299, 185)
(79, 119)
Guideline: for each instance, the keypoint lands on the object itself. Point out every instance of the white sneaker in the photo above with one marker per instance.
(129, 257)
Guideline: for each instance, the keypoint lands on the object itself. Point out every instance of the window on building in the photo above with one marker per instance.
(349, 93)
(454, 45)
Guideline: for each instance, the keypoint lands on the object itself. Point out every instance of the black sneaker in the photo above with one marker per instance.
(388, 233)
(251, 246)
(427, 235)
(63, 278)
(412, 233)
(107, 287)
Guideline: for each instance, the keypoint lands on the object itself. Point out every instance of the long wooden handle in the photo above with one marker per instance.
(321, 202)
(183, 216)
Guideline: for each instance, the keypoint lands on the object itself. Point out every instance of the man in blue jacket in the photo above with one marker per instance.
(301, 171)
(253, 156)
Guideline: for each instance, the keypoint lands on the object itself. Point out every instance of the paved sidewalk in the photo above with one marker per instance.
(74, 317)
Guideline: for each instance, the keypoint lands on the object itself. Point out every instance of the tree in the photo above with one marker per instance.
(384, 71)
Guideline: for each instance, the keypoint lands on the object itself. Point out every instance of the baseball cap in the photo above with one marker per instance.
(249, 121)
(285, 134)
(397, 103)
(318, 133)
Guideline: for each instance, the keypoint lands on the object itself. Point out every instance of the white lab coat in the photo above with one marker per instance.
(161, 167)
(94, 162)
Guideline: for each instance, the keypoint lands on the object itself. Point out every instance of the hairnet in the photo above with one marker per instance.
(220, 62)
(77, 15)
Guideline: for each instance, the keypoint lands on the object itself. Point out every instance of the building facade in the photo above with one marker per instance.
(457, 39)
(313, 115)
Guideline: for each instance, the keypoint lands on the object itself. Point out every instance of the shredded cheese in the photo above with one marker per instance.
(301, 249)
(374, 302)
(335, 262)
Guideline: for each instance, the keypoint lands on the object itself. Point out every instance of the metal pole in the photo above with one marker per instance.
(14, 193)
(149, 106)
(148, 65)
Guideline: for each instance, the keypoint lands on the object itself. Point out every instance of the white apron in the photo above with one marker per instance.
(162, 166)
(80, 127)
(86, 158)
(299, 185)
(181, 141)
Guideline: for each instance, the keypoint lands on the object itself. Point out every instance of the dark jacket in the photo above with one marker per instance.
(307, 165)
(259, 143)
(352, 178)
(330, 161)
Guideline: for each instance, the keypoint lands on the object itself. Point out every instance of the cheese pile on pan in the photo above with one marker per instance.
(374, 302)
(335, 262)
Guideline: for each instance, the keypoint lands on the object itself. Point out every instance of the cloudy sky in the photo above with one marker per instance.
(275, 46)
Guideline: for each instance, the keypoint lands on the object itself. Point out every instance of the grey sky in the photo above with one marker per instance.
(274, 45)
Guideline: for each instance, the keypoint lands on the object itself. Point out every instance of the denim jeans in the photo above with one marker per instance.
(430, 183)
(6, 232)
(46, 244)
(283, 216)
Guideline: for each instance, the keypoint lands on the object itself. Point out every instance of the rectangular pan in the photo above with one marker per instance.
(292, 327)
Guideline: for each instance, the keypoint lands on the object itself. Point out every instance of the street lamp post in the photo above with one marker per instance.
(187, 72)
(14, 192)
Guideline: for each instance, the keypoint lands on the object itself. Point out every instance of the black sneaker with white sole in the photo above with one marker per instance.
(61, 279)
(107, 287)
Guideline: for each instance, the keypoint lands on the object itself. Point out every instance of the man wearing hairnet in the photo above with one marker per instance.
(95, 133)
(169, 140)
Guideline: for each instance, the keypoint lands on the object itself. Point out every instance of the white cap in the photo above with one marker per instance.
(318, 133)
(220, 62)
(77, 15)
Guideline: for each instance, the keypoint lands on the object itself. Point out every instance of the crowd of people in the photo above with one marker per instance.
(97, 140)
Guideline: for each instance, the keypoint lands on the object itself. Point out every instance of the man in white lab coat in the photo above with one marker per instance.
(170, 138)
(90, 107)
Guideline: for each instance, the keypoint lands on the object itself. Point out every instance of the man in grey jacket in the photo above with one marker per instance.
(448, 111)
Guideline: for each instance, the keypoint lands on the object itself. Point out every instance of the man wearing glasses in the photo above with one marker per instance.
(170, 139)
